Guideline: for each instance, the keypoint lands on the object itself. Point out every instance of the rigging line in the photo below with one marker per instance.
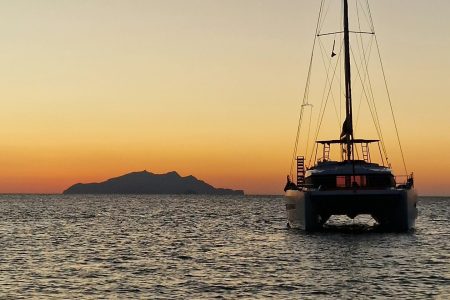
(360, 43)
(320, 119)
(366, 19)
(376, 120)
(356, 149)
(324, 17)
(371, 94)
(372, 99)
(387, 90)
(309, 130)
(315, 155)
(360, 40)
(371, 24)
(294, 154)
(350, 31)
(366, 76)
(372, 105)
(327, 69)
(364, 61)
(392, 109)
(318, 116)
(381, 154)
(323, 105)
(374, 116)
(305, 95)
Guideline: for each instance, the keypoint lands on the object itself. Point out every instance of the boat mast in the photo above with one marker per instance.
(348, 124)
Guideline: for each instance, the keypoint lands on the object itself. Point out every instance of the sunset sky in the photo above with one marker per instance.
(94, 89)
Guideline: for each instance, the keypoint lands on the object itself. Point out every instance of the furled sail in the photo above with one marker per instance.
(347, 128)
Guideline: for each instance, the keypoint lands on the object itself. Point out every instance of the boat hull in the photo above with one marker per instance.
(393, 209)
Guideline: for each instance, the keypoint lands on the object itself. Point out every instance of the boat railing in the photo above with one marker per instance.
(404, 181)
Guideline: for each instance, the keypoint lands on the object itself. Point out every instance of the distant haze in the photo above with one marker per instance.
(94, 89)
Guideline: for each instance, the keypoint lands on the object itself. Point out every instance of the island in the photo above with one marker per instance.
(148, 183)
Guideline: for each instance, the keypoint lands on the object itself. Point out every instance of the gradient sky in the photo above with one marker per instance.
(93, 89)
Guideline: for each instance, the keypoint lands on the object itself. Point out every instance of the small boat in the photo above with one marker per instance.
(354, 183)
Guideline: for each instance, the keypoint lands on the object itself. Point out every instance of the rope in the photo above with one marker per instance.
(306, 93)
(366, 75)
(360, 44)
(365, 63)
(373, 111)
(322, 112)
(366, 17)
(324, 17)
(388, 93)
(309, 130)
(362, 94)
(392, 109)
(327, 70)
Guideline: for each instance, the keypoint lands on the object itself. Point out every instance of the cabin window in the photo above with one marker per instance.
(360, 180)
(349, 181)
(341, 181)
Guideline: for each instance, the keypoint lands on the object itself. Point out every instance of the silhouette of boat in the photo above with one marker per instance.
(352, 184)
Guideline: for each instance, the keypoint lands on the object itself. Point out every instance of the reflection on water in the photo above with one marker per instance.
(206, 247)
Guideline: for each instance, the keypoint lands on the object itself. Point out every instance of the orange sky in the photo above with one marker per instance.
(95, 89)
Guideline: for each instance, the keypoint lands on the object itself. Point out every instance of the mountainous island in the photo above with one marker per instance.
(148, 183)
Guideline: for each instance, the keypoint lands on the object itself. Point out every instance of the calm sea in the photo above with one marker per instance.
(191, 247)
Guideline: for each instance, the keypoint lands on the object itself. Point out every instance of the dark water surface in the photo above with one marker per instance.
(190, 247)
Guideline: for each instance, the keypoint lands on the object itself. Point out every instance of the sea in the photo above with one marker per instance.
(211, 247)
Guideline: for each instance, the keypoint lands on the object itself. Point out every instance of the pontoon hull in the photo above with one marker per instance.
(394, 209)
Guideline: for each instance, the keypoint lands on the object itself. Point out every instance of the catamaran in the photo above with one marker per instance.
(352, 182)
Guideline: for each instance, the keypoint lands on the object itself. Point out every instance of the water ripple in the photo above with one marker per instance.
(166, 247)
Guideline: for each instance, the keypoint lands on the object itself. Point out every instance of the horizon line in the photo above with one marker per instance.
(270, 195)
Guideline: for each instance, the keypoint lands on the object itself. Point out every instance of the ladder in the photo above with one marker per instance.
(365, 152)
(300, 171)
(326, 152)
